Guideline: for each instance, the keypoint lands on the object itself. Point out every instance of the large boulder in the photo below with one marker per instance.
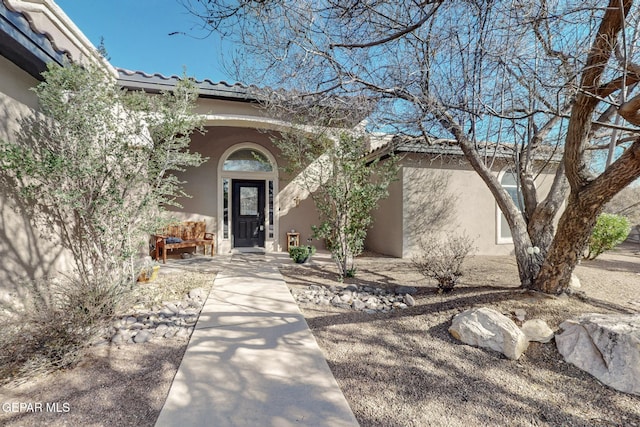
(487, 328)
(605, 345)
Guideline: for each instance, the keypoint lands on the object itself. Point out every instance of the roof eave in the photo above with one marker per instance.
(156, 83)
(25, 47)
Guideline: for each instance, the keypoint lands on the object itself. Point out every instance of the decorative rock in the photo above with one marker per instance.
(409, 300)
(172, 307)
(345, 298)
(171, 332)
(120, 337)
(485, 327)
(358, 305)
(196, 304)
(606, 346)
(537, 330)
(166, 312)
(361, 298)
(574, 283)
(142, 336)
(520, 314)
(164, 320)
(196, 293)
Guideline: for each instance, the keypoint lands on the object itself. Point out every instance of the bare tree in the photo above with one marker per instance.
(544, 77)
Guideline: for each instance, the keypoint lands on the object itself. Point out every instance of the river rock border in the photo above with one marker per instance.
(171, 319)
(361, 298)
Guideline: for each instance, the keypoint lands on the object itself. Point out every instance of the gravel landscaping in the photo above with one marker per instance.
(395, 360)
(126, 381)
(403, 367)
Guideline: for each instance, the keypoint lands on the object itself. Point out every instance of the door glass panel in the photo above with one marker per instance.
(248, 201)
(225, 211)
(271, 209)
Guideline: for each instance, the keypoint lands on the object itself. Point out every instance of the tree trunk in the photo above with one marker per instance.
(579, 218)
(588, 195)
(574, 230)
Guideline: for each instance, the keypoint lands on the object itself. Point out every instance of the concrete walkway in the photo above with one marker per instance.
(252, 360)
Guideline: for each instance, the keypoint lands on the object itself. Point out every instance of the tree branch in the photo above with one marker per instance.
(394, 36)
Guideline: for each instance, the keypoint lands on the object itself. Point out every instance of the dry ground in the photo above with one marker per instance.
(397, 369)
(404, 369)
(114, 385)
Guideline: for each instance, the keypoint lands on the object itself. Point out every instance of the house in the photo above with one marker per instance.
(241, 192)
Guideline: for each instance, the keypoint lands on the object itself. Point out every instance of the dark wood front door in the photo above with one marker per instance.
(248, 200)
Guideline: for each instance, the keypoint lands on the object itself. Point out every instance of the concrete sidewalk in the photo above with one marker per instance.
(252, 360)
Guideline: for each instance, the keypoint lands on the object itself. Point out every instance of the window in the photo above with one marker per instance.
(509, 182)
(271, 209)
(225, 212)
(247, 160)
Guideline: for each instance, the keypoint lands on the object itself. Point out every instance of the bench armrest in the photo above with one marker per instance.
(209, 236)
(159, 239)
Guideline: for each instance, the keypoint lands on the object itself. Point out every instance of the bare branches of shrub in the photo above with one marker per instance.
(441, 258)
(51, 325)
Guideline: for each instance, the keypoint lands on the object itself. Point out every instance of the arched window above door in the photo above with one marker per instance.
(247, 160)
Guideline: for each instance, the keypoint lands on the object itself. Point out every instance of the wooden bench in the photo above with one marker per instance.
(187, 234)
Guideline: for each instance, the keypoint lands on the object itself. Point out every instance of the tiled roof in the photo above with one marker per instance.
(407, 144)
(26, 46)
(136, 80)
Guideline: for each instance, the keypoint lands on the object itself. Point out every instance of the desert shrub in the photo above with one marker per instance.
(344, 184)
(610, 231)
(301, 253)
(94, 172)
(441, 259)
(51, 325)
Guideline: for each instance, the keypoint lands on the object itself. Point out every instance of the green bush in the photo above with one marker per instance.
(610, 231)
(301, 253)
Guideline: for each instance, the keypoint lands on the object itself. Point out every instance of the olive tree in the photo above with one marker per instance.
(95, 167)
(332, 166)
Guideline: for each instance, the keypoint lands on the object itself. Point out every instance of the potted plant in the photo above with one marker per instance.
(148, 271)
(301, 254)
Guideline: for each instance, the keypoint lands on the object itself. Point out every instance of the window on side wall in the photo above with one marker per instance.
(509, 181)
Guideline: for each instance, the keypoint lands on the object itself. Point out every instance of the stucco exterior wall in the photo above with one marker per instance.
(24, 253)
(385, 235)
(475, 210)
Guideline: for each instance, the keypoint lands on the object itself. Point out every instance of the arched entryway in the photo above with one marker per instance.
(248, 177)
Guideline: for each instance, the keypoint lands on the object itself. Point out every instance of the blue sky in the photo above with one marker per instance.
(136, 35)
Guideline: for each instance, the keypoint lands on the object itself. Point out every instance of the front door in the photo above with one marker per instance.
(248, 200)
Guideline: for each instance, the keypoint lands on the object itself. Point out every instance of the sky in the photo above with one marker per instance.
(136, 36)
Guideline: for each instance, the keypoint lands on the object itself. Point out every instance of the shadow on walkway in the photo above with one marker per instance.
(252, 359)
